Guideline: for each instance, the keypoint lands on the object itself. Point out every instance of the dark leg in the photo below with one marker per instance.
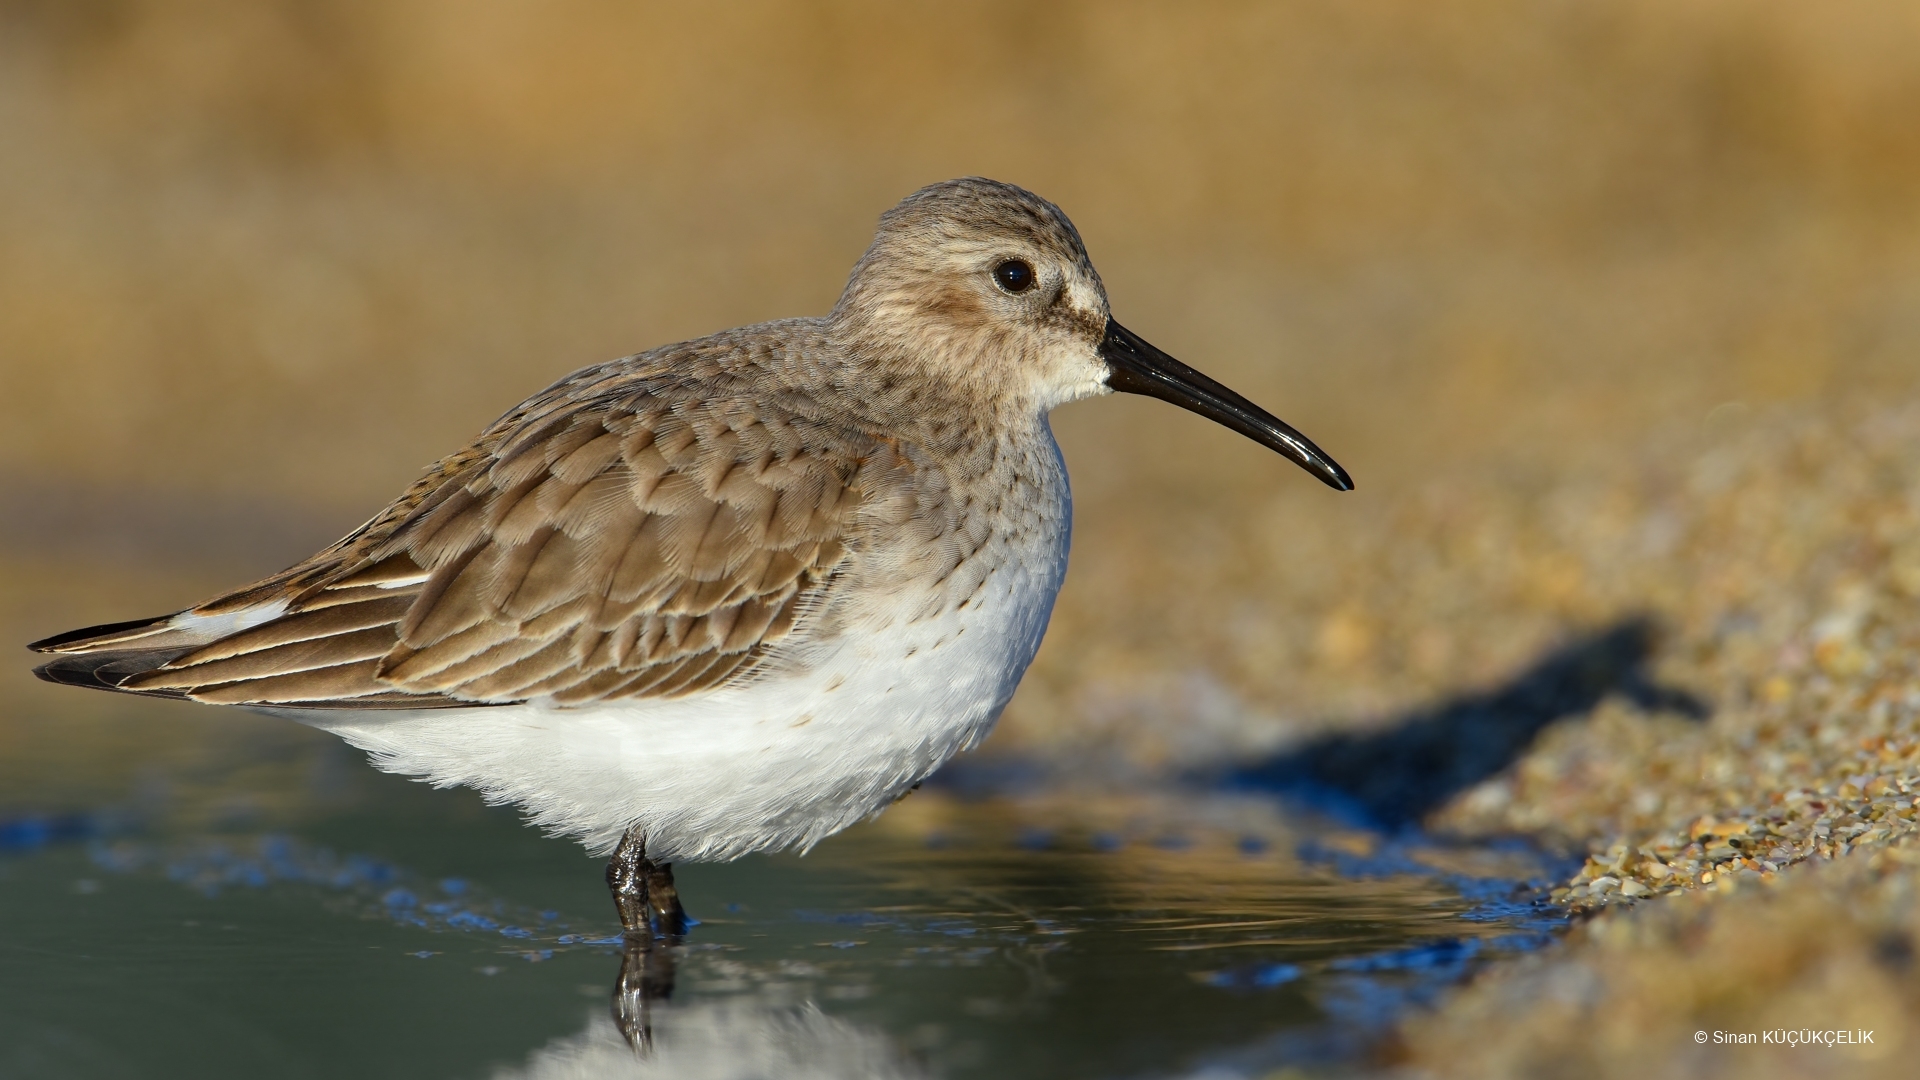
(654, 922)
(663, 903)
(627, 878)
(643, 891)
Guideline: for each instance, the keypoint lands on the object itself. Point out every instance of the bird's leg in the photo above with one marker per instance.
(654, 922)
(643, 891)
(627, 874)
(663, 902)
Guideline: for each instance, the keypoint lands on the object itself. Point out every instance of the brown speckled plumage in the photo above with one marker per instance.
(648, 527)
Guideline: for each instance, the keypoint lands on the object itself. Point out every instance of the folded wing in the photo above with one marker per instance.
(600, 542)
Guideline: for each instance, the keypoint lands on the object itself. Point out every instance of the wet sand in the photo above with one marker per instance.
(1755, 871)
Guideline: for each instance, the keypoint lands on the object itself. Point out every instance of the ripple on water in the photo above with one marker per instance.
(1000, 937)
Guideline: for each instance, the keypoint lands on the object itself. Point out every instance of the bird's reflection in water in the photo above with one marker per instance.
(735, 1039)
(646, 976)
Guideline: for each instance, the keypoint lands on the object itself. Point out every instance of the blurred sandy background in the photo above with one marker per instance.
(1612, 308)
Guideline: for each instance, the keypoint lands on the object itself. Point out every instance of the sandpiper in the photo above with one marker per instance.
(724, 596)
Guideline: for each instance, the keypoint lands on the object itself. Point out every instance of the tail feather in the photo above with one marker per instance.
(107, 670)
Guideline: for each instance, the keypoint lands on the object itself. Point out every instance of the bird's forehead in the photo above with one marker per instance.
(966, 217)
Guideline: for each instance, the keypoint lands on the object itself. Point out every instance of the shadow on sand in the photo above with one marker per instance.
(1397, 775)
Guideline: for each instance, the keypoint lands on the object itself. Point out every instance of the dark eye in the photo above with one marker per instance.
(1014, 276)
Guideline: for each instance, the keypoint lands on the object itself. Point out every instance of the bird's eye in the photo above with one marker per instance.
(1014, 276)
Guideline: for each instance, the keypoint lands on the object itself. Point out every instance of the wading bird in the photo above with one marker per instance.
(724, 596)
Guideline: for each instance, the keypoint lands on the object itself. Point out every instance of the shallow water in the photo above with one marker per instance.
(254, 900)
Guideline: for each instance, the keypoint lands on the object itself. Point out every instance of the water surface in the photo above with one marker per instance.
(234, 895)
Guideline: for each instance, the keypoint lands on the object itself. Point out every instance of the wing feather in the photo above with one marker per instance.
(341, 682)
(306, 625)
(643, 536)
(310, 654)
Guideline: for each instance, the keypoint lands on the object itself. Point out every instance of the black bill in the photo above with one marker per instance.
(1139, 368)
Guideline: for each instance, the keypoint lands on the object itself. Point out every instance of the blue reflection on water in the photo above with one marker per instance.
(1358, 994)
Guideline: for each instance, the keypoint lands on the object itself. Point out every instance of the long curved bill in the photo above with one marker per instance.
(1139, 368)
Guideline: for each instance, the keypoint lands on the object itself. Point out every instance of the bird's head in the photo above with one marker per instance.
(985, 289)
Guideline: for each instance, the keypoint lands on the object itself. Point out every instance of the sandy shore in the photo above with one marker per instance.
(1755, 871)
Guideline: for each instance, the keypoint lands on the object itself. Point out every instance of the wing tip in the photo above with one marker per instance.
(103, 672)
(63, 642)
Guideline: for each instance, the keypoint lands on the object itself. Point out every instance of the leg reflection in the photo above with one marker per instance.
(646, 976)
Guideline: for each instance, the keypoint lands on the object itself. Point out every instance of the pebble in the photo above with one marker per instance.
(1792, 606)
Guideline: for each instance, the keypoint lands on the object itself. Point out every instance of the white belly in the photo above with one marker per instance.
(781, 762)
